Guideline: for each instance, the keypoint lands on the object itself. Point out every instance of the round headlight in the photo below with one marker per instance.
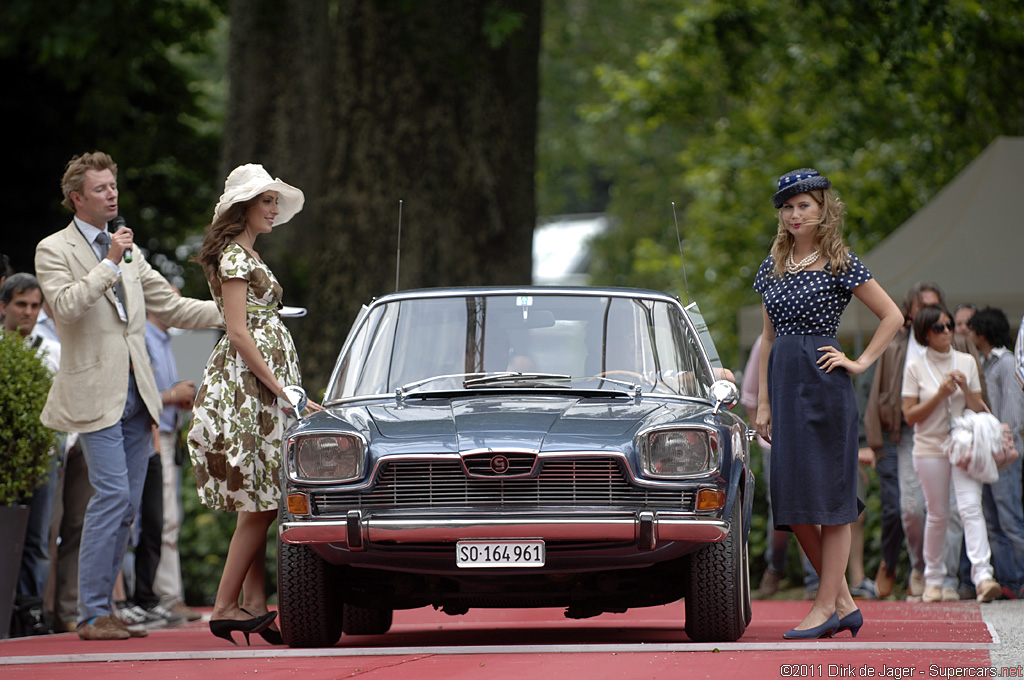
(329, 458)
(677, 453)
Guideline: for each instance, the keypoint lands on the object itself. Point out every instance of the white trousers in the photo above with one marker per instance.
(935, 475)
(167, 583)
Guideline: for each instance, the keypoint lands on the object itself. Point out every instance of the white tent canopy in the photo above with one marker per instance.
(969, 239)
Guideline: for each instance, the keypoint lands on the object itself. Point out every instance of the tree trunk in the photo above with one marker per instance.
(365, 104)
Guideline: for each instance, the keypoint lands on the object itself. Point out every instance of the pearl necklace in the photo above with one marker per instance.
(796, 267)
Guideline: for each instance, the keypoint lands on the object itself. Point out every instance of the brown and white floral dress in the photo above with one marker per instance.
(237, 427)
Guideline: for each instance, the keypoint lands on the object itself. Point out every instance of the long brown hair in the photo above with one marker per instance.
(218, 235)
(829, 237)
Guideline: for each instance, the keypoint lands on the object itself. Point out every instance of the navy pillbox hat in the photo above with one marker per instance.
(799, 182)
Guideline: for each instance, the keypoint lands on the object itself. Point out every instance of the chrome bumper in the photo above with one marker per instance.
(646, 528)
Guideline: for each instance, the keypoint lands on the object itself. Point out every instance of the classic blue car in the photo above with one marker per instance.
(518, 447)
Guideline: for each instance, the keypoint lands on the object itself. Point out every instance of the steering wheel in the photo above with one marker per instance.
(621, 374)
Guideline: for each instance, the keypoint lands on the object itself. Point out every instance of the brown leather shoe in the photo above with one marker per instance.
(885, 581)
(182, 609)
(769, 584)
(103, 628)
(988, 590)
(133, 631)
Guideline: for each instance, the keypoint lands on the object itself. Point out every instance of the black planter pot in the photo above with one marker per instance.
(13, 524)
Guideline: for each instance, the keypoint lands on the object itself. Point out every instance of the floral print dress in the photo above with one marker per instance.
(237, 427)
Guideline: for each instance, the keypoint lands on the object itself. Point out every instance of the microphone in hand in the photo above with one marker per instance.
(115, 225)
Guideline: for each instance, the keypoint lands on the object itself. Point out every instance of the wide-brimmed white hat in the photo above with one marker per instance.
(249, 180)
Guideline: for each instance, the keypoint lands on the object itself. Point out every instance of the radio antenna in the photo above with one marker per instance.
(398, 256)
(682, 261)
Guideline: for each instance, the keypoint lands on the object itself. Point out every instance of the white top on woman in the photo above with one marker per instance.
(921, 380)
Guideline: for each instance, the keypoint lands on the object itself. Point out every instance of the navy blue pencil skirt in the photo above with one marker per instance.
(814, 436)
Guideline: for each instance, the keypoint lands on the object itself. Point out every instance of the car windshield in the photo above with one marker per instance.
(543, 341)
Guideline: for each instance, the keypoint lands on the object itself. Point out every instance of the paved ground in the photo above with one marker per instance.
(1006, 617)
(898, 640)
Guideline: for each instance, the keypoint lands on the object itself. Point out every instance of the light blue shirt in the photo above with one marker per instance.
(90, 233)
(165, 370)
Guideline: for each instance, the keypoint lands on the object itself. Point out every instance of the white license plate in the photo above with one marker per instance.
(484, 553)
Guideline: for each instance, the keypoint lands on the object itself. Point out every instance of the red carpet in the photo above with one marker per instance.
(897, 639)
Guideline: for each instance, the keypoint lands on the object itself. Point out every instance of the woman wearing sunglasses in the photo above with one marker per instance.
(937, 387)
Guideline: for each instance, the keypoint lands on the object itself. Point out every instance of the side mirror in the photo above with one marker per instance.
(724, 393)
(292, 400)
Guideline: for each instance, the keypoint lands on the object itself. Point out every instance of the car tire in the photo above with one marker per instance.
(309, 614)
(718, 589)
(365, 620)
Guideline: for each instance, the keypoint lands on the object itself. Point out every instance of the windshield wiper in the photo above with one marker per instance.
(400, 392)
(512, 377)
(635, 388)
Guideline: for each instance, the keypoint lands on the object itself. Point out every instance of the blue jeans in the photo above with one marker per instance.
(892, 526)
(35, 555)
(117, 458)
(1004, 516)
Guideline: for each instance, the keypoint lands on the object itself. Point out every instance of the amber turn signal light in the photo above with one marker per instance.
(709, 499)
(298, 504)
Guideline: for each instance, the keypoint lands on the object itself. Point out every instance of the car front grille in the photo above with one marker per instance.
(443, 484)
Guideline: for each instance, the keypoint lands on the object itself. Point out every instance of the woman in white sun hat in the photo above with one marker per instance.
(237, 426)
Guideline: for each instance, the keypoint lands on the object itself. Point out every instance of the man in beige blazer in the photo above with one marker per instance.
(105, 388)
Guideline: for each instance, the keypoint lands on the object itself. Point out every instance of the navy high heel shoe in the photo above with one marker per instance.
(826, 629)
(851, 622)
(223, 628)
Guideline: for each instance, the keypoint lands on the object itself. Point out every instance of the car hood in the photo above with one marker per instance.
(533, 423)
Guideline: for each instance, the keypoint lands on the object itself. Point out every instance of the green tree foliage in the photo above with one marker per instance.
(122, 77)
(25, 442)
(575, 156)
(890, 100)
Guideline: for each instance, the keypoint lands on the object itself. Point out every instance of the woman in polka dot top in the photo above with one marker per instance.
(806, 406)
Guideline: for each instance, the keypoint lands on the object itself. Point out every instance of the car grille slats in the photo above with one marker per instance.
(444, 484)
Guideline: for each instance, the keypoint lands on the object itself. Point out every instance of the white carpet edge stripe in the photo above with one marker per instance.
(782, 646)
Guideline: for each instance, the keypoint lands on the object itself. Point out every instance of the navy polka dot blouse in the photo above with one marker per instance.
(808, 302)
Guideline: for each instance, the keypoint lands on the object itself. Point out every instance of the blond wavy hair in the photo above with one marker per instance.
(830, 234)
(74, 173)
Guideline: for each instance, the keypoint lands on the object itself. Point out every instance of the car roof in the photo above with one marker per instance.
(463, 291)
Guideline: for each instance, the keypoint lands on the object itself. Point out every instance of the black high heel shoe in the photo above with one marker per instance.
(223, 628)
(272, 637)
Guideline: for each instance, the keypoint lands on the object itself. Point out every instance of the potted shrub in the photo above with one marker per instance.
(25, 446)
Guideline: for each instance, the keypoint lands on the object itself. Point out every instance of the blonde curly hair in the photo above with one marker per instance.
(829, 237)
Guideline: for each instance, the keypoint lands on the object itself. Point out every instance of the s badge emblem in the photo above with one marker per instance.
(499, 464)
